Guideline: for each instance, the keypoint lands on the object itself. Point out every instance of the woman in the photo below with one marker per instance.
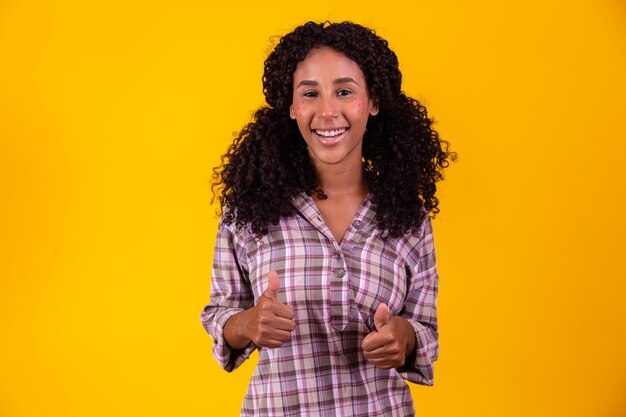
(324, 259)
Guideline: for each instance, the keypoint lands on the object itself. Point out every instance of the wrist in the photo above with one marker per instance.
(411, 339)
(234, 331)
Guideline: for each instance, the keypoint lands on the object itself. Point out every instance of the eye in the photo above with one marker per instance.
(343, 92)
(310, 94)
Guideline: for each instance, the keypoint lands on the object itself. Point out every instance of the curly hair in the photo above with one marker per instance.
(268, 163)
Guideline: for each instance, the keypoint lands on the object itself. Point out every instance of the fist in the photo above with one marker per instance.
(270, 323)
(393, 340)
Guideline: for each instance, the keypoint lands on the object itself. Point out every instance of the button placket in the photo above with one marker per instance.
(339, 297)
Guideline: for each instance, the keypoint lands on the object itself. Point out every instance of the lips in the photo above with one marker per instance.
(330, 136)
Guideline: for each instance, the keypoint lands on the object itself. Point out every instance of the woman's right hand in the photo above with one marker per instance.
(268, 324)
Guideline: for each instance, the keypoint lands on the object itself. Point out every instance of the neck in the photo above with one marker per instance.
(339, 180)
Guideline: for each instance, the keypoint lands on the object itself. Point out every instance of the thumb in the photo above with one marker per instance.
(272, 286)
(382, 316)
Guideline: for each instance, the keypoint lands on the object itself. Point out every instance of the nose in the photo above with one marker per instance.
(327, 107)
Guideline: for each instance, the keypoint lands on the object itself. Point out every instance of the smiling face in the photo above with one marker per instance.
(331, 106)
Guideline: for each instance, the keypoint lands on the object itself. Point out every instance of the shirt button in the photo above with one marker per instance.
(340, 272)
(357, 224)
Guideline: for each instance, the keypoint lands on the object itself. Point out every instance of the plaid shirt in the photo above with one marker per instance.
(334, 290)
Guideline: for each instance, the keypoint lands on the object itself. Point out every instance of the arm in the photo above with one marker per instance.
(236, 324)
(420, 308)
(230, 295)
(408, 342)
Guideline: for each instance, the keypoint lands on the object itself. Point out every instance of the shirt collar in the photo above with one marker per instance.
(304, 203)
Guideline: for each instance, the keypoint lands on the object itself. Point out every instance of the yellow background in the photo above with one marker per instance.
(112, 115)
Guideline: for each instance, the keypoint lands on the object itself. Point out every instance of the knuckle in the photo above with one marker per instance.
(263, 332)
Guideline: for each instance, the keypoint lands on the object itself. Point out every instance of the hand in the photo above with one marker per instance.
(269, 323)
(393, 340)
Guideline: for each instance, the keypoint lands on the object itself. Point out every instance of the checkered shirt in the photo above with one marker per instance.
(333, 289)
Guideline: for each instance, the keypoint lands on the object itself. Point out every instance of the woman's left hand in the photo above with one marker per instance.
(391, 343)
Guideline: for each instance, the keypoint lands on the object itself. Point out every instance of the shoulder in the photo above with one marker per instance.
(415, 240)
(230, 234)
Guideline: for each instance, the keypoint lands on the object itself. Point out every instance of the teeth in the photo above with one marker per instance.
(330, 133)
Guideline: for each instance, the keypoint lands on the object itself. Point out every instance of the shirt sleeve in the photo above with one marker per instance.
(230, 294)
(420, 308)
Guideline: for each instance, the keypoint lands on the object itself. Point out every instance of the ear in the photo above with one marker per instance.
(292, 112)
(373, 108)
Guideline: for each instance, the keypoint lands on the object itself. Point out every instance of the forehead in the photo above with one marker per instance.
(327, 63)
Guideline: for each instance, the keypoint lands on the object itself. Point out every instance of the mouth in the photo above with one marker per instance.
(330, 135)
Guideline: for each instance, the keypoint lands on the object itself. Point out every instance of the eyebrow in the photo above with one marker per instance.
(337, 81)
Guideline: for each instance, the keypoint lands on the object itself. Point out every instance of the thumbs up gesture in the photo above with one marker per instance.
(392, 341)
(269, 323)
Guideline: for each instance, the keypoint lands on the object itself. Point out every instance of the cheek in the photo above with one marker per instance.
(359, 109)
(301, 110)
(303, 116)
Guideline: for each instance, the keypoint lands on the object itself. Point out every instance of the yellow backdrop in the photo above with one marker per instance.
(112, 115)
